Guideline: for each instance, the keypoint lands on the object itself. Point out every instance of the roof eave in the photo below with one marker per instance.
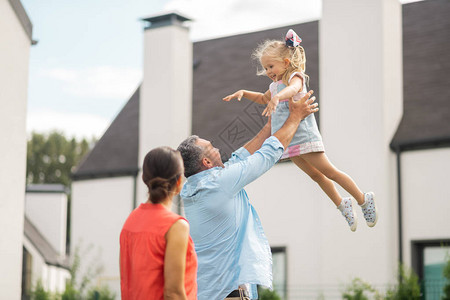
(423, 144)
(105, 174)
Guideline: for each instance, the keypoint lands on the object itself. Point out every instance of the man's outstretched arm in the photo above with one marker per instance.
(255, 143)
(237, 175)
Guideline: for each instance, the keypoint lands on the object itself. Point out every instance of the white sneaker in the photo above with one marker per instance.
(348, 212)
(370, 209)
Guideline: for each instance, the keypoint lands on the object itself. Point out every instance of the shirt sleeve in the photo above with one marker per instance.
(238, 155)
(235, 176)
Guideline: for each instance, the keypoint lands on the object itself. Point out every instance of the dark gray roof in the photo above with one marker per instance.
(223, 66)
(46, 188)
(426, 76)
(116, 153)
(49, 254)
(23, 18)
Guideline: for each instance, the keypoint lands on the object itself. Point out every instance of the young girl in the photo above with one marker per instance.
(284, 63)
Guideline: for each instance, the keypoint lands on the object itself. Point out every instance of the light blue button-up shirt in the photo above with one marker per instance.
(231, 246)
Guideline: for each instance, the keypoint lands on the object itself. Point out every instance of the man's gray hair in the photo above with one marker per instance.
(192, 155)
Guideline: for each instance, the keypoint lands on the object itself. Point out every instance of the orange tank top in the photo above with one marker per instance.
(142, 249)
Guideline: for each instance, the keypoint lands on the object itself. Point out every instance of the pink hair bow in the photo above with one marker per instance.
(292, 39)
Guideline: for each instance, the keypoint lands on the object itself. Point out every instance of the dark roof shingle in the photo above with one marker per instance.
(426, 76)
(116, 153)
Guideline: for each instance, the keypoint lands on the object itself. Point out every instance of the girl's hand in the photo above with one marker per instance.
(271, 107)
(239, 94)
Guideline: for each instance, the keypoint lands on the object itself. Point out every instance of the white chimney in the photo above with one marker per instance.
(166, 91)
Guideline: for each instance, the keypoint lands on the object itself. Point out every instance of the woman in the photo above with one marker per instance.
(157, 256)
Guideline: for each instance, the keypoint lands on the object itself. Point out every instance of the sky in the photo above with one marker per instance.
(88, 59)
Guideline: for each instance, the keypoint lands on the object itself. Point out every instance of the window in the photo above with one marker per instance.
(428, 261)
(26, 274)
(279, 268)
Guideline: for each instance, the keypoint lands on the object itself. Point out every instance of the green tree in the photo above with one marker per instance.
(52, 157)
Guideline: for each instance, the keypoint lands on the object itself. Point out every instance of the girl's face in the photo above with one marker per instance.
(274, 68)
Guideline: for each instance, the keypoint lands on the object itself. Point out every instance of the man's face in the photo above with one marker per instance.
(211, 153)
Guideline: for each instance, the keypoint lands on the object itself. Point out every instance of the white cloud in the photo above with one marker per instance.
(77, 125)
(101, 82)
(216, 18)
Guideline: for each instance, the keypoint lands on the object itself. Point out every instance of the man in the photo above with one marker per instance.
(233, 252)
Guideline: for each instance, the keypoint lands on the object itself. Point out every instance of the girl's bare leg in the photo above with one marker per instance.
(326, 184)
(320, 161)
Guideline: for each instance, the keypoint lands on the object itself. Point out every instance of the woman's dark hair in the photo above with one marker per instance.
(162, 167)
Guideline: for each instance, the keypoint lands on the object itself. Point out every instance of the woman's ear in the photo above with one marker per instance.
(179, 184)
(180, 180)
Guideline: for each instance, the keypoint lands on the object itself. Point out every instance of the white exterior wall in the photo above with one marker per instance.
(425, 196)
(360, 52)
(293, 215)
(53, 278)
(166, 91)
(99, 210)
(48, 212)
(14, 59)
(361, 105)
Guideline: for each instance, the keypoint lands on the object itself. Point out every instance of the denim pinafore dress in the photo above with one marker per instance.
(307, 138)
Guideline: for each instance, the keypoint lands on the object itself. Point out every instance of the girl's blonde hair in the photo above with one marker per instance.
(279, 51)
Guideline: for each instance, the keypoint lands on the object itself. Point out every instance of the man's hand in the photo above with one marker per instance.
(303, 107)
(298, 110)
(239, 94)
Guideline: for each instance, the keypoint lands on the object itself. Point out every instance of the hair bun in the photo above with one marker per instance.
(160, 171)
(158, 182)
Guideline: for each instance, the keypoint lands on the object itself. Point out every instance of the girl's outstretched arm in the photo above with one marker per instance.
(295, 85)
(253, 96)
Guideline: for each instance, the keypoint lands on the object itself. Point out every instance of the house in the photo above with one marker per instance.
(380, 71)
(15, 42)
(44, 241)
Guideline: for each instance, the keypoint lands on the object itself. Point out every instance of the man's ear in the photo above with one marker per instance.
(206, 162)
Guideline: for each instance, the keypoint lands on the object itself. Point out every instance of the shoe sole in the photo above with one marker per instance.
(355, 217)
(371, 224)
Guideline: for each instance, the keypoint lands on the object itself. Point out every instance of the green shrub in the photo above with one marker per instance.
(39, 293)
(79, 287)
(407, 287)
(446, 273)
(70, 292)
(266, 294)
(100, 293)
(359, 290)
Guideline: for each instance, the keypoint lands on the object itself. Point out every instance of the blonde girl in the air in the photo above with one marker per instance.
(284, 63)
